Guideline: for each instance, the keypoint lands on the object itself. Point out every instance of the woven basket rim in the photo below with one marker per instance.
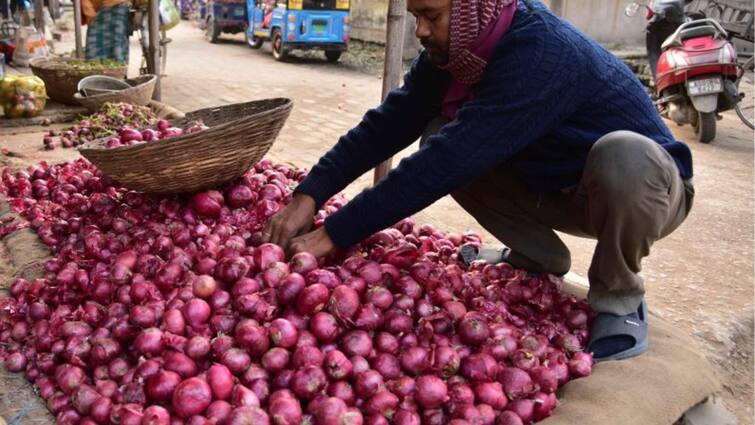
(125, 92)
(97, 145)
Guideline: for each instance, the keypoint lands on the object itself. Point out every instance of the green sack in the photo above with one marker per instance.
(169, 16)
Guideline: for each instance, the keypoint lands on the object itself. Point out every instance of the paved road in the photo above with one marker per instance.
(700, 278)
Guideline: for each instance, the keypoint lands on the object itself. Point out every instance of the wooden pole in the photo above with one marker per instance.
(392, 70)
(153, 62)
(77, 28)
(39, 16)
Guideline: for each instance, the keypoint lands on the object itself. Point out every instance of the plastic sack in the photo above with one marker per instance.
(30, 44)
(22, 97)
(169, 16)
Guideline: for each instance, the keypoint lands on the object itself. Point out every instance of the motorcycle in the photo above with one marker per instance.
(694, 65)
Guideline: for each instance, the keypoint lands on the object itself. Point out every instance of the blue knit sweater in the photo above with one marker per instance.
(547, 94)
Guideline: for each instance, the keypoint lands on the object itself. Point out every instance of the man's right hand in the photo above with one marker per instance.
(293, 220)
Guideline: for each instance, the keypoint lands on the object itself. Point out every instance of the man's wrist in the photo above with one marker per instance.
(303, 200)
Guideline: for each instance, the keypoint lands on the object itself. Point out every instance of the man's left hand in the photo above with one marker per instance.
(317, 243)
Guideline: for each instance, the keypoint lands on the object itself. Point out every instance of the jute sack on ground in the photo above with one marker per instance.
(655, 388)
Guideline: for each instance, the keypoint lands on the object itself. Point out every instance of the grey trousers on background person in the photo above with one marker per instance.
(630, 195)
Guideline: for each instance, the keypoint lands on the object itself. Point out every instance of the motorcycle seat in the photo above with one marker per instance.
(699, 31)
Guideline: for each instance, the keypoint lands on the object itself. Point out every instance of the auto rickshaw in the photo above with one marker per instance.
(225, 16)
(299, 25)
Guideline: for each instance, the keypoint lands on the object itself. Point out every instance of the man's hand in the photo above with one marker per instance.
(293, 220)
(317, 243)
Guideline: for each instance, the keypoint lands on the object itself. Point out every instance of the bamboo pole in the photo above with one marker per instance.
(77, 28)
(394, 46)
(153, 62)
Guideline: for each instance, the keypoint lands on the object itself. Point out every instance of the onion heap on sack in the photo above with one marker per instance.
(168, 311)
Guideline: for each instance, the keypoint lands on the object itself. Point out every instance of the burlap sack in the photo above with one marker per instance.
(655, 388)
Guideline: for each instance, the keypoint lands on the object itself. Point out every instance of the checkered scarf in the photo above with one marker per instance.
(469, 19)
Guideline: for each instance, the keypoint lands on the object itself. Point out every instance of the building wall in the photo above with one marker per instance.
(603, 20)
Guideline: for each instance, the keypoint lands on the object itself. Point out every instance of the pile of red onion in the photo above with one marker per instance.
(128, 136)
(168, 311)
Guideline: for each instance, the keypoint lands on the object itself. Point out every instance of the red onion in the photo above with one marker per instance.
(303, 263)
(204, 286)
(69, 378)
(580, 365)
(267, 254)
(161, 386)
(479, 367)
(285, 411)
(307, 356)
(248, 415)
(406, 417)
(344, 302)
(368, 383)
(337, 365)
(236, 360)
(207, 203)
(342, 390)
(431, 392)
(219, 411)
(290, 288)
(101, 409)
(324, 327)
(524, 408)
(308, 382)
(197, 347)
(249, 335)
(243, 396)
(516, 382)
(312, 299)
(283, 333)
(330, 411)
(16, 362)
(191, 397)
(240, 196)
(508, 418)
(356, 343)
(156, 415)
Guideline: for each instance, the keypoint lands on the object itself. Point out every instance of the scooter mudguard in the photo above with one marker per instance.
(705, 103)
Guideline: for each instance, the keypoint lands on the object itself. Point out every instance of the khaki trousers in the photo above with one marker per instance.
(630, 196)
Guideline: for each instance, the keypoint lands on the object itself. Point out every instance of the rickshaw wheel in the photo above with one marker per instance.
(213, 32)
(332, 55)
(279, 52)
(254, 42)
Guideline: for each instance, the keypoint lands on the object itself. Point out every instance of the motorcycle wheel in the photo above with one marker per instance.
(706, 127)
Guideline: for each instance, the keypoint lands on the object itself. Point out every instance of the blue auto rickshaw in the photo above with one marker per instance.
(225, 16)
(299, 24)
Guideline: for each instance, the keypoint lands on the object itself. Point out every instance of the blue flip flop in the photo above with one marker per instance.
(470, 253)
(623, 330)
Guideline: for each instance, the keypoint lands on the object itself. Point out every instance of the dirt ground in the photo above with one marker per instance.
(699, 278)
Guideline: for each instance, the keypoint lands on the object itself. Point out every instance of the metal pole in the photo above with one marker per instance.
(392, 70)
(77, 27)
(39, 16)
(153, 62)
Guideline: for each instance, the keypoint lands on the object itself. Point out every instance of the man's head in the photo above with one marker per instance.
(433, 27)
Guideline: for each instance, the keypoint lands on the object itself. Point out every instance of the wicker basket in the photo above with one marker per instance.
(140, 93)
(62, 82)
(238, 137)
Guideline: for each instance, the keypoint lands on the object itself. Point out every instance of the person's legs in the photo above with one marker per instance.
(633, 196)
(520, 219)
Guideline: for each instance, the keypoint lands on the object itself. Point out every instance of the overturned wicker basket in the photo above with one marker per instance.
(238, 137)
